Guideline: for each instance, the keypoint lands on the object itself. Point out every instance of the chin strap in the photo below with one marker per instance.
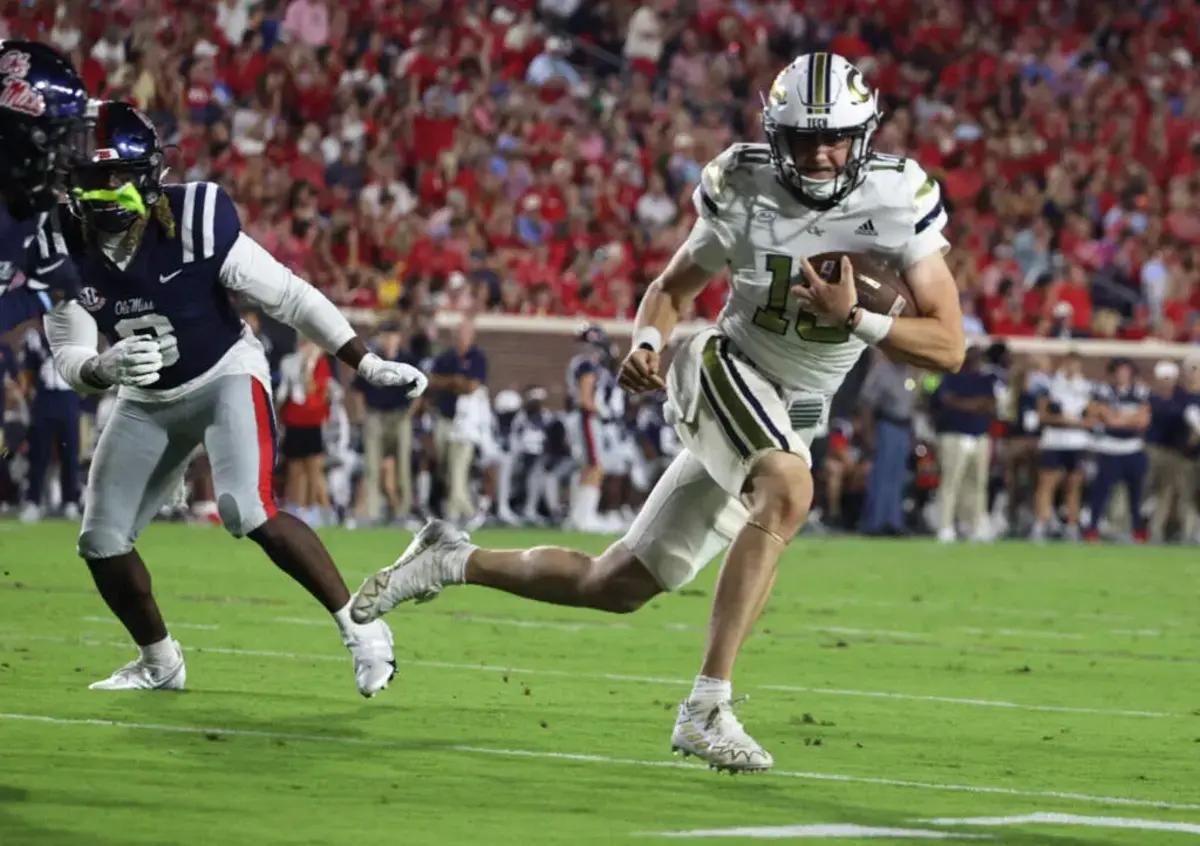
(127, 197)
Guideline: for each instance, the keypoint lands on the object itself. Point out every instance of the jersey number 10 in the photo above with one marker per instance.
(773, 316)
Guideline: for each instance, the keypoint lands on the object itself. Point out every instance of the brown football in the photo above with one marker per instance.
(881, 287)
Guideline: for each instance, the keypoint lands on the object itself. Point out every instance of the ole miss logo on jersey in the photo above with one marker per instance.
(91, 300)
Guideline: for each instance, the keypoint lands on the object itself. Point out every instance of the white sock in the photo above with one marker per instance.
(707, 691)
(456, 563)
(553, 494)
(342, 618)
(585, 505)
(162, 653)
(424, 483)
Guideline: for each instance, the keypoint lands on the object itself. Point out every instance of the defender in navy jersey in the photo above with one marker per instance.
(590, 386)
(529, 440)
(161, 263)
(43, 105)
(1121, 409)
(53, 423)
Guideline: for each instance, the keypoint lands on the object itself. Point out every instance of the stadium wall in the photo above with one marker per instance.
(525, 350)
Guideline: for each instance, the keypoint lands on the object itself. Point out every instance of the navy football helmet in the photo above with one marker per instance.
(594, 336)
(122, 180)
(43, 111)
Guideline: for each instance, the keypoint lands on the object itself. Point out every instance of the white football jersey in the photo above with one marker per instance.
(753, 224)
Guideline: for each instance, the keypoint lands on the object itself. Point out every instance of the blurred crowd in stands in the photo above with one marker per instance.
(540, 154)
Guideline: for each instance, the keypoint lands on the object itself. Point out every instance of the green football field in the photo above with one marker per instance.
(910, 693)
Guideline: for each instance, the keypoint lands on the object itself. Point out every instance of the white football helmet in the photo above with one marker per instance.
(821, 95)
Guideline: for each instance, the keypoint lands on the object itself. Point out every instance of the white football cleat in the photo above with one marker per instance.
(31, 512)
(419, 573)
(716, 735)
(374, 661)
(140, 674)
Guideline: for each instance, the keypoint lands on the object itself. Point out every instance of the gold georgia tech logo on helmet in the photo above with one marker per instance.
(859, 90)
(779, 92)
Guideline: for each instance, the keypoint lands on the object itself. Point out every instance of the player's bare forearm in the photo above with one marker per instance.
(926, 342)
(352, 352)
(669, 295)
(935, 340)
(664, 301)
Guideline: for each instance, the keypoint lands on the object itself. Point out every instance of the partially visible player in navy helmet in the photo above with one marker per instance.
(43, 111)
(43, 133)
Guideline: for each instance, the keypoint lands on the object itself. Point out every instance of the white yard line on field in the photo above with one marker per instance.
(1071, 819)
(817, 831)
(517, 622)
(955, 700)
(622, 677)
(377, 743)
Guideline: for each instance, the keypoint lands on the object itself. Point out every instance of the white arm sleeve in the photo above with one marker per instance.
(249, 269)
(73, 340)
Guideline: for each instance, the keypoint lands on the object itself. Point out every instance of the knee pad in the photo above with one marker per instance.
(239, 521)
(102, 543)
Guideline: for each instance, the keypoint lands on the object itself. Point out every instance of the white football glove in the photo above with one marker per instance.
(168, 345)
(391, 374)
(135, 360)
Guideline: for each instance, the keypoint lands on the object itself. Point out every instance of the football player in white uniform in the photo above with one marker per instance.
(746, 395)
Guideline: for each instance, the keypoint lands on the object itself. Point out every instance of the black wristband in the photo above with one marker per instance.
(646, 345)
(850, 322)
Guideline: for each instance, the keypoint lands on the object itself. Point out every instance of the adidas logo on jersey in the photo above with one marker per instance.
(867, 228)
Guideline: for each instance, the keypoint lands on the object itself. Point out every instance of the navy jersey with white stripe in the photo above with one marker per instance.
(172, 283)
(604, 389)
(26, 282)
(1125, 401)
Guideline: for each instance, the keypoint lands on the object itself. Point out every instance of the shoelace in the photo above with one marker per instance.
(723, 711)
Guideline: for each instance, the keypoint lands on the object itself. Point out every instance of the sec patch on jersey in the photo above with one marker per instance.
(881, 287)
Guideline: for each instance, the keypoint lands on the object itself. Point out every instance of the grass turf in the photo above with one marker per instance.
(889, 679)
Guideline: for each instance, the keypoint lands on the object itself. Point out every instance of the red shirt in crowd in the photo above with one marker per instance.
(315, 408)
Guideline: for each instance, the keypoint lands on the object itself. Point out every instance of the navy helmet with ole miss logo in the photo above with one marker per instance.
(122, 178)
(43, 111)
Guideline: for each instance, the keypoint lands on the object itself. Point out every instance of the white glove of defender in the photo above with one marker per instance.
(391, 374)
(130, 361)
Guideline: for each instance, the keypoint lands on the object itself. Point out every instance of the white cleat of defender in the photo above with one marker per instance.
(419, 573)
(374, 660)
(140, 674)
(717, 736)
